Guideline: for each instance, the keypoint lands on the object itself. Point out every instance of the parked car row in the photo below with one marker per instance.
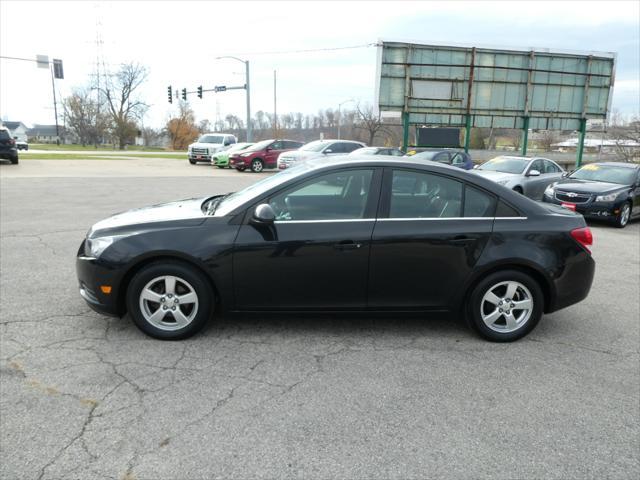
(608, 191)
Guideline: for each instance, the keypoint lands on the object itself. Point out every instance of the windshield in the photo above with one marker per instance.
(505, 164)
(233, 201)
(211, 139)
(605, 173)
(315, 146)
(259, 146)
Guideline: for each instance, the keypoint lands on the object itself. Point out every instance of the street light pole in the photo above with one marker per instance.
(247, 87)
(340, 114)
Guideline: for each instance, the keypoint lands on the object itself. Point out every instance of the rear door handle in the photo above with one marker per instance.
(347, 245)
(461, 239)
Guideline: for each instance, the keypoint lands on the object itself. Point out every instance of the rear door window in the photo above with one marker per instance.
(424, 195)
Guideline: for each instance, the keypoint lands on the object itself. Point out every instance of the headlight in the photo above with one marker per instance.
(607, 198)
(95, 246)
(549, 191)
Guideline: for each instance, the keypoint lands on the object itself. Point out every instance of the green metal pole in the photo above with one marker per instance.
(525, 136)
(467, 133)
(583, 132)
(405, 131)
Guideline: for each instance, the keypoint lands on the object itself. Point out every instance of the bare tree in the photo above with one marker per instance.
(204, 126)
(514, 138)
(124, 107)
(369, 120)
(547, 139)
(626, 138)
(84, 117)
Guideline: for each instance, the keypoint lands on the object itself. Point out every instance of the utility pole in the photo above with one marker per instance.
(275, 110)
(55, 106)
(247, 87)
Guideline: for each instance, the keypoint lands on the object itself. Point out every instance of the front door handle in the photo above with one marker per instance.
(347, 245)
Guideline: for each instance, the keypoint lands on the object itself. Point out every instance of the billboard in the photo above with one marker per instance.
(446, 85)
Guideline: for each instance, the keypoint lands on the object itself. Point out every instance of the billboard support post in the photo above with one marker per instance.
(467, 133)
(405, 131)
(525, 136)
(580, 149)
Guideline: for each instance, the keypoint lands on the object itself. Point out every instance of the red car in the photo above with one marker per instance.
(262, 155)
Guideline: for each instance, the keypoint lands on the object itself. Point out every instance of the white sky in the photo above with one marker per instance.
(179, 41)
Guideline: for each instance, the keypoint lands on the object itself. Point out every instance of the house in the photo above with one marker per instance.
(48, 134)
(16, 129)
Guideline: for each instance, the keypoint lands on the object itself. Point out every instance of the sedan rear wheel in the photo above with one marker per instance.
(505, 306)
(169, 301)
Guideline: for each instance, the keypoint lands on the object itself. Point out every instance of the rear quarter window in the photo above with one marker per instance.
(503, 210)
(478, 203)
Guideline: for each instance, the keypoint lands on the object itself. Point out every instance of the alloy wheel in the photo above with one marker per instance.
(625, 214)
(168, 303)
(506, 306)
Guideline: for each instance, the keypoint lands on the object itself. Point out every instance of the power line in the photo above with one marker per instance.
(309, 50)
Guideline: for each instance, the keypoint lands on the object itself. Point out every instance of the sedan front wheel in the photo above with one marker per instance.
(169, 300)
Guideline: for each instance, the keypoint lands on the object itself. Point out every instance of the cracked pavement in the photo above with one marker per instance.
(87, 396)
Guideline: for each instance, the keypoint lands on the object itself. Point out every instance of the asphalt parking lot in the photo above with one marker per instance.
(87, 396)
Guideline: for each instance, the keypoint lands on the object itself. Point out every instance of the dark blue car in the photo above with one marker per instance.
(456, 158)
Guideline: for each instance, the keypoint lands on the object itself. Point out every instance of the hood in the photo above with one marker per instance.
(211, 146)
(496, 176)
(189, 210)
(587, 186)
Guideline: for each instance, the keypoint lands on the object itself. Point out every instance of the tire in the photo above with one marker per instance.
(14, 160)
(518, 190)
(495, 326)
(221, 166)
(155, 281)
(257, 165)
(623, 216)
(192, 162)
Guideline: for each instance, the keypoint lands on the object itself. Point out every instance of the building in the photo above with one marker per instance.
(47, 134)
(17, 129)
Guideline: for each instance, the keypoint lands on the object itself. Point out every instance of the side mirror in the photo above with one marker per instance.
(328, 150)
(533, 173)
(565, 174)
(263, 214)
(475, 167)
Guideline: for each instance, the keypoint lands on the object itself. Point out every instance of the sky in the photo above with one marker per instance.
(179, 42)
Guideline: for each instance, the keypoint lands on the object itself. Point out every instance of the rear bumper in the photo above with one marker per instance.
(10, 154)
(574, 284)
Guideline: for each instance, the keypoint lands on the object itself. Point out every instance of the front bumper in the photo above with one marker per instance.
(91, 276)
(239, 162)
(200, 157)
(589, 209)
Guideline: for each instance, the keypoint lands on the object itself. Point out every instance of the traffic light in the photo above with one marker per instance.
(170, 92)
(57, 69)
(184, 94)
(200, 91)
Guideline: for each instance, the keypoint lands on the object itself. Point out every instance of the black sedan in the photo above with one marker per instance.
(609, 191)
(342, 235)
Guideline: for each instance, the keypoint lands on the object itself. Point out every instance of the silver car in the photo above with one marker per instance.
(525, 175)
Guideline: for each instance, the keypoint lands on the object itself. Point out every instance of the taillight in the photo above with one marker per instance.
(583, 236)
(12, 141)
